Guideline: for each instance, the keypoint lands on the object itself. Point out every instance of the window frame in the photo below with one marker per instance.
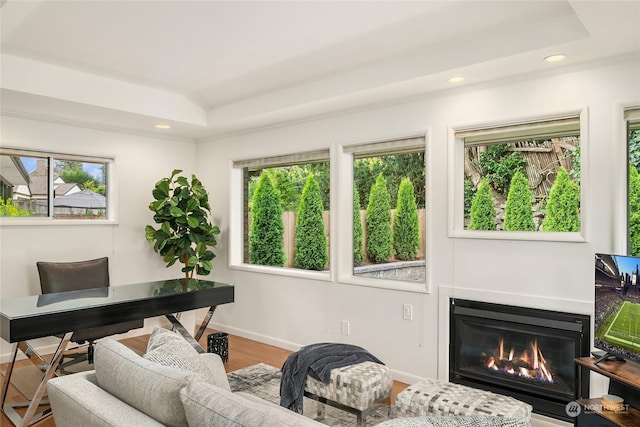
(627, 113)
(50, 219)
(456, 184)
(238, 212)
(344, 250)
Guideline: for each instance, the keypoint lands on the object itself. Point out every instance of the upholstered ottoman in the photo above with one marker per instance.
(353, 388)
(444, 398)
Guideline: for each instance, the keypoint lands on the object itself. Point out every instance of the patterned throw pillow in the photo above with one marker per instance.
(170, 349)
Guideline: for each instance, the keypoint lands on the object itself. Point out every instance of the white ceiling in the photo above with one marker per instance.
(212, 67)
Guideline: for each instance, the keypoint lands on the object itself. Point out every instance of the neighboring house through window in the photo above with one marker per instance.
(54, 186)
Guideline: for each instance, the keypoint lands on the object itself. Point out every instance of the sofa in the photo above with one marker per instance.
(171, 385)
(174, 385)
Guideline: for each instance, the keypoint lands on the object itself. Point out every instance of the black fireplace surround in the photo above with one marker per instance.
(521, 352)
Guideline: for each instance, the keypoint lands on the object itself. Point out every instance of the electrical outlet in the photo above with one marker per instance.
(346, 329)
(407, 311)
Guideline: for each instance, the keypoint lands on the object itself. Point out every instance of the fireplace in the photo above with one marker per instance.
(521, 352)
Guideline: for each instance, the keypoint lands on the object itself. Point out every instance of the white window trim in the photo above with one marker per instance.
(343, 249)
(621, 157)
(341, 226)
(456, 187)
(50, 220)
(236, 236)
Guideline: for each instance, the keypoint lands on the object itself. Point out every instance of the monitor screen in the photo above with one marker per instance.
(617, 305)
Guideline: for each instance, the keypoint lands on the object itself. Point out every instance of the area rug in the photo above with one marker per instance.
(263, 381)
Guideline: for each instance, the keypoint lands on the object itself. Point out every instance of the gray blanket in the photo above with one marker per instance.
(316, 360)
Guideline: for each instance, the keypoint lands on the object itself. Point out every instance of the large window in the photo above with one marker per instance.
(285, 205)
(524, 177)
(54, 186)
(389, 210)
(632, 117)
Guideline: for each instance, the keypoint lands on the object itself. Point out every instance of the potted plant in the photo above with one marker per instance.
(186, 233)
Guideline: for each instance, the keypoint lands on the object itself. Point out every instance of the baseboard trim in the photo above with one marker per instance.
(403, 377)
(265, 339)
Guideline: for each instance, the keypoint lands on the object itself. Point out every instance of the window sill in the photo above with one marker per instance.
(281, 271)
(24, 222)
(392, 285)
(541, 236)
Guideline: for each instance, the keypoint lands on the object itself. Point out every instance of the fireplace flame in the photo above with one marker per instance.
(528, 364)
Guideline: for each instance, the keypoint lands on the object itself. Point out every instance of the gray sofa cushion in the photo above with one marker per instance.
(76, 400)
(171, 349)
(145, 385)
(208, 405)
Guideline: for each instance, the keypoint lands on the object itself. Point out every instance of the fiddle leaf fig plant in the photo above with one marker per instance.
(185, 234)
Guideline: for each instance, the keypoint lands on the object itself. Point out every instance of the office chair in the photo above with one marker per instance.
(73, 276)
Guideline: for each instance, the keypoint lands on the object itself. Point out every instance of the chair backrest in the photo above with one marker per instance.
(73, 276)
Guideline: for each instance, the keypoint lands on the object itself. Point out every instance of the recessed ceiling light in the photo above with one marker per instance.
(161, 126)
(555, 58)
(456, 80)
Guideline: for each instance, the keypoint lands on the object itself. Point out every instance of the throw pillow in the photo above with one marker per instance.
(147, 386)
(171, 349)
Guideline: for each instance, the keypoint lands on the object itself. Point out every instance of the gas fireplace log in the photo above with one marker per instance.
(515, 364)
(522, 364)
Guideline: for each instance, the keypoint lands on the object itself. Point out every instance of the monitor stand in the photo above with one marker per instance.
(604, 356)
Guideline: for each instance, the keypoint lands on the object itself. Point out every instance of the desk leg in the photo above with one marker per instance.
(7, 375)
(33, 355)
(183, 331)
(30, 416)
(205, 322)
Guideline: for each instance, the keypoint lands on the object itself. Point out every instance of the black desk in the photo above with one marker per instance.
(38, 316)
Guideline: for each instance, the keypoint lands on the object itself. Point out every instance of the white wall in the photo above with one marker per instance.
(140, 162)
(292, 311)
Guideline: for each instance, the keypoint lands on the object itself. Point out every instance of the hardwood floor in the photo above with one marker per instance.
(242, 353)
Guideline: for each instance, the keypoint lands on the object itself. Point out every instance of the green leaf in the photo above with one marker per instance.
(193, 222)
(166, 227)
(157, 205)
(177, 212)
(184, 243)
(182, 181)
(207, 265)
(193, 260)
(161, 236)
(175, 172)
(201, 247)
(161, 245)
(150, 233)
(192, 204)
(161, 190)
